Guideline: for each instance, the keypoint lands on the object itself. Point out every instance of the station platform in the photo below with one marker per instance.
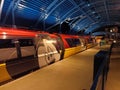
(72, 73)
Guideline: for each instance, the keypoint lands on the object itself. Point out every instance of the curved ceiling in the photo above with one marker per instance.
(81, 15)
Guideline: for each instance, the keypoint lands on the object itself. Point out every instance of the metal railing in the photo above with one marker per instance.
(101, 68)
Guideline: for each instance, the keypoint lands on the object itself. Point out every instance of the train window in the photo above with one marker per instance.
(73, 42)
(6, 43)
(77, 42)
(70, 42)
(26, 42)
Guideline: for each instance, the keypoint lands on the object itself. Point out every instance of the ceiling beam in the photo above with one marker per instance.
(106, 10)
(8, 11)
(1, 7)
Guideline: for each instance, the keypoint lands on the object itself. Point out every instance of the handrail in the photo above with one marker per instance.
(101, 68)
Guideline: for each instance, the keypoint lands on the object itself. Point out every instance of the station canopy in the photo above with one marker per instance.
(68, 16)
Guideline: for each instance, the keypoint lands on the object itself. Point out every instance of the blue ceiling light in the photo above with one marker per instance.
(88, 5)
(93, 12)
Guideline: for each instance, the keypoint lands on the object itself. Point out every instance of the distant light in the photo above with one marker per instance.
(114, 41)
(88, 5)
(111, 30)
(20, 6)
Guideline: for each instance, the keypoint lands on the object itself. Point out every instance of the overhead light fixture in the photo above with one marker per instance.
(68, 19)
(20, 6)
(93, 12)
(88, 4)
(46, 15)
(42, 9)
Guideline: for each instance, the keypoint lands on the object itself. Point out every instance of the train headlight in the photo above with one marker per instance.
(4, 36)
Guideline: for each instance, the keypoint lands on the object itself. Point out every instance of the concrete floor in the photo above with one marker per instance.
(73, 73)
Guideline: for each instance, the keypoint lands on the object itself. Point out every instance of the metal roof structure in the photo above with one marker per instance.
(80, 15)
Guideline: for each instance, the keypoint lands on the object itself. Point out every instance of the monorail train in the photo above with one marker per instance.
(24, 51)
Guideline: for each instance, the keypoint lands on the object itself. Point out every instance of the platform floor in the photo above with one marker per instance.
(113, 81)
(73, 73)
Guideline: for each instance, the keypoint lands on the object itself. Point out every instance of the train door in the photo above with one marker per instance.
(46, 50)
